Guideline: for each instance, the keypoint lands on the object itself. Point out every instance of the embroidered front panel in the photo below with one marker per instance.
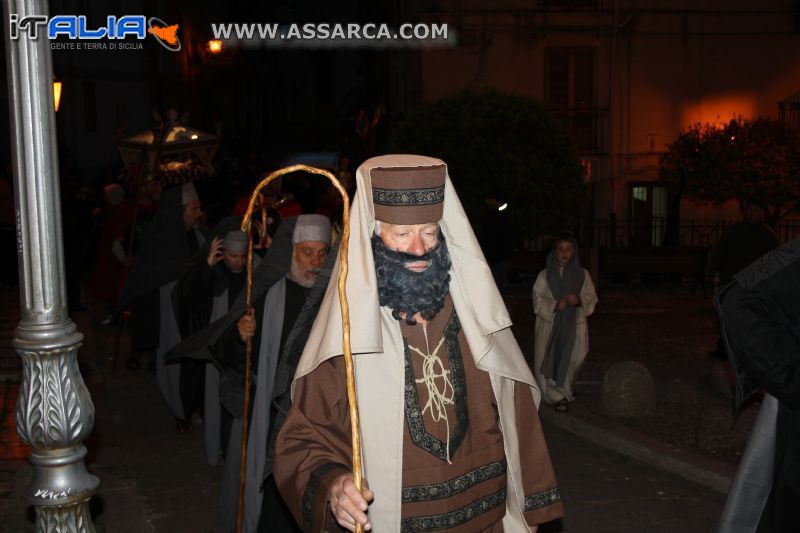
(416, 425)
(310, 494)
(406, 197)
(437, 491)
(456, 517)
(542, 499)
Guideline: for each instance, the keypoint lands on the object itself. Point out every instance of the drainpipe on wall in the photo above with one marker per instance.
(611, 107)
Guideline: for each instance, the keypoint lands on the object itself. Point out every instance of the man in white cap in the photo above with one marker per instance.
(451, 436)
(270, 323)
(204, 294)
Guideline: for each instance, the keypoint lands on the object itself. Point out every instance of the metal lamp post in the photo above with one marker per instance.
(54, 411)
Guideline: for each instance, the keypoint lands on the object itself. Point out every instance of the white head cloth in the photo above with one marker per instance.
(312, 228)
(189, 193)
(235, 241)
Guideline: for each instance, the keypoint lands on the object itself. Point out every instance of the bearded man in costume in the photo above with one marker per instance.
(269, 324)
(451, 436)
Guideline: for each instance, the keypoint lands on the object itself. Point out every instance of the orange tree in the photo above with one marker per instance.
(743, 160)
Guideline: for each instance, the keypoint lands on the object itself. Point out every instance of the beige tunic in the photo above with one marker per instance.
(544, 306)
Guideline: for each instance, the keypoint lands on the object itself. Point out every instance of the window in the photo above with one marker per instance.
(570, 93)
(558, 63)
(570, 77)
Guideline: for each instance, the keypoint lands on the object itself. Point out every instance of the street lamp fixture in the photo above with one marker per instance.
(56, 93)
(215, 46)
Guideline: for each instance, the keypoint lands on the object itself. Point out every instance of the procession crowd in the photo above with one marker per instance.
(448, 404)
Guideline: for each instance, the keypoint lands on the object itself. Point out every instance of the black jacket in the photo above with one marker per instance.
(760, 317)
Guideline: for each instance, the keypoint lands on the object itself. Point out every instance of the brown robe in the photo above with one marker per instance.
(467, 493)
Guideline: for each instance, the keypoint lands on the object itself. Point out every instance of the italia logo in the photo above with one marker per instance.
(75, 27)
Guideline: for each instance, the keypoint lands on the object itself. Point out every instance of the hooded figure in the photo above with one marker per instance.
(760, 317)
(563, 297)
(451, 436)
(203, 295)
(211, 274)
(172, 242)
(167, 247)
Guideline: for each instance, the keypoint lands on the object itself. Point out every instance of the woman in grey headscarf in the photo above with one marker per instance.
(563, 296)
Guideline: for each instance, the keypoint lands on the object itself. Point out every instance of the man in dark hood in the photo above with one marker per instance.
(204, 294)
(169, 246)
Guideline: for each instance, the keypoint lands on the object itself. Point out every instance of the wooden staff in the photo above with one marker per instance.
(262, 232)
(348, 355)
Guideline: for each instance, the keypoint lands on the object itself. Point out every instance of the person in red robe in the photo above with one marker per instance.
(112, 259)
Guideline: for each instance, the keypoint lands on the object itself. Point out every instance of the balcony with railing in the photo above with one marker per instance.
(587, 127)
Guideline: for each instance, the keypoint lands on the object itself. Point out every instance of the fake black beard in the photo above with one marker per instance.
(405, 291)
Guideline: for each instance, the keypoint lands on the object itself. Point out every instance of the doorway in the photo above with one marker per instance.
(647, 214)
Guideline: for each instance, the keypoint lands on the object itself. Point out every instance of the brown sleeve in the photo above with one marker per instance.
(542, 497)
(313, 446)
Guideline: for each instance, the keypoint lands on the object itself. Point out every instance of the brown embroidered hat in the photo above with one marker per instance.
(408, 195)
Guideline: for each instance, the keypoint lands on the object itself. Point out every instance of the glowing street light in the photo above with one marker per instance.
(502, 207)
(56, 94)
(215, 46)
